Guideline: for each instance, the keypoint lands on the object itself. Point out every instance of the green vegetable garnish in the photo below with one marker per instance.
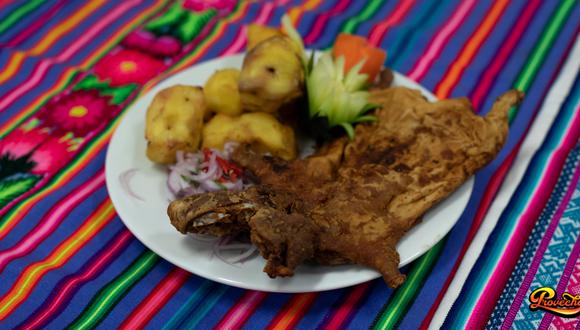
(340, 98)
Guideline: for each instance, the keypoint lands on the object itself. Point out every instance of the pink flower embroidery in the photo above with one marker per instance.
(51, 156)
(79, 112)
(148, 42)
(46, 152)
(201, 5)
(128, 66)
(21, 142)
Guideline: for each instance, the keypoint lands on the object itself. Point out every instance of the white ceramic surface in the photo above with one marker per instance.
(148, 220)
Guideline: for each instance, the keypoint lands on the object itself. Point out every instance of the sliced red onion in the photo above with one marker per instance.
(201, 172)
(204, 238)
(179, 156)
(125, 180)
(247, 251)
(245, 255)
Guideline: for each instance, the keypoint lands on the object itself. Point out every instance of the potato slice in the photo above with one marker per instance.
(221, 92)
(258, 33)
(174, 122)
(258, 128)
(272, 75)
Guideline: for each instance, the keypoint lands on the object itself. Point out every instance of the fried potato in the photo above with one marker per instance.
(272, 75)
(258, 128)
(258, 33)
(174, 122)
(221, 92)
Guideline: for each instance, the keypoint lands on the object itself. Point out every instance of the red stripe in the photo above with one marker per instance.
(65, 292)
(440, 40)
(322, 20)
(298, 306)
(241, 311)
(346, 309)
(5, 3)
(379, 31)
(515, 35)
(149, 307)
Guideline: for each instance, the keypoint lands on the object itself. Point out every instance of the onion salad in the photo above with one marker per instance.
(204, 171)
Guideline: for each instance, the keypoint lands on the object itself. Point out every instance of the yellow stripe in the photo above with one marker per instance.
(54, 35)
(12, 66)
(295, 13)
(66, 26)
(291, 314)
(65, 250)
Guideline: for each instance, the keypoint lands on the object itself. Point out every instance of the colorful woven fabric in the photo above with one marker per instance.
(69, 69)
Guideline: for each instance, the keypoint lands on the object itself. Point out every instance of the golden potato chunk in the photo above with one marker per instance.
(272, 75)
(258, 33)
(258, 128)
(174, 122)
(221, 92)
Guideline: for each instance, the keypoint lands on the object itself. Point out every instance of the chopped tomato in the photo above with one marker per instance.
(355, 49)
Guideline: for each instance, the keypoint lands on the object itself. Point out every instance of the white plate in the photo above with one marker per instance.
(148, 220)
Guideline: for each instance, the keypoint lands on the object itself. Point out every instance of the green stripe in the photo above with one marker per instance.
(208, 304)
(17, 14)
(523, 82)
(537, 57)
(397, 307)
(112, 293)
(370, 9)
(189, 305)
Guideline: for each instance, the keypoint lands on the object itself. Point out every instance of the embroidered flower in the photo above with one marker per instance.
(32, 151)
(148, 42)
(128, 66)
(201, 5)
(21, 142)
(79, 112)
(51, 155)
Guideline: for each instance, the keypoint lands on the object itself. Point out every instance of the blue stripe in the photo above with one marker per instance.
(60, 286)
(198, 317)
(490, 47)
(456, 42)
(200, 288)
(83, 296)
(421, 17)
(136, 295)
(263, 317)
(333, 26)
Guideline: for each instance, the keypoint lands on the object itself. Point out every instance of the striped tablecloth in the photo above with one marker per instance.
(69, 68)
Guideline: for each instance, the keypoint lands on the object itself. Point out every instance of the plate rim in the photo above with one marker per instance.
(121, 211)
